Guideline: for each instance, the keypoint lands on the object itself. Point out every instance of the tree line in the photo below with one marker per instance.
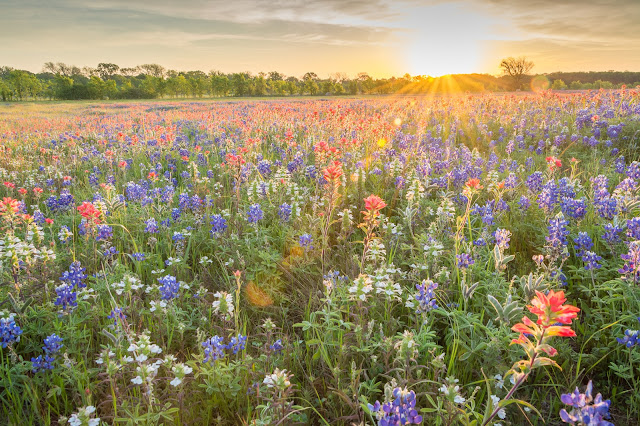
(109, 81)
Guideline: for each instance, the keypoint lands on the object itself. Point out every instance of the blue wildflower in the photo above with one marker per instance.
(169, 287)
(75, 276)
(255, 213)
(631, 338)
(426, 297)
(237, 344)
(276, 347)
(306, 242)
(284, 212)
(9, 331)
(586, 409)
(67, 296)
(218, 225)
(213, 348)
(591, 260)
(464, 260)
(400, 411)
(151, 226)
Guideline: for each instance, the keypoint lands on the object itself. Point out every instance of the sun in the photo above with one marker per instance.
(445, 39)
(442, 58)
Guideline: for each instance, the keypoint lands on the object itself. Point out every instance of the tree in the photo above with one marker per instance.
(516, 68)
(153, 70)
(24, 83)
(558, 85)
(106, 71)
(220, 83)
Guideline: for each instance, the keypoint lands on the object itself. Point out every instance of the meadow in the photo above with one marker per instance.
(467, 259)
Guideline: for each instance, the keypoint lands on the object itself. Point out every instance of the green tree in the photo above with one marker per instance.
(558, 85)
(259, 86)
(96, 88)
(106, 71)
(24, 83)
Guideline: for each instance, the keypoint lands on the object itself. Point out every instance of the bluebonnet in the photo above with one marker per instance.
(218, 225)
(175, 214)
(480, 242)
(237, 344)
(607, 208)
(400, 411)
(139, 256)
(502, 237)
(66, 296)
(306, 242)
(255, 213)
(62, 203)
(277, 346)
(213, 348)
(42, 363)
(151, 226)
(264, 167)
(591, 260)
(612, 233)
(75, 276)
(631, 338)
(524, 203)
(585, 409)
(38, 217)
(110, 252)
(573, 208)
(284, 212)
(169, 287)
(548, 197)
(534, 182)
(311, 172)
(582, 243)
(9, 331)
(558, 232)
(426, 297)
(52, 345)
(104, 232)
(117, 314)
(464, 260)
(633, 228)
(631, 267)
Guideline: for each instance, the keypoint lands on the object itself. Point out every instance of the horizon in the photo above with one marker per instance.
(321, 77)
(381, 38)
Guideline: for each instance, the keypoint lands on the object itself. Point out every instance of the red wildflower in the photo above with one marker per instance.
(235, 160)
(90, 212)
(474, 183)
(550, 309)
(333, 171)
(374, 203)
(9, 205)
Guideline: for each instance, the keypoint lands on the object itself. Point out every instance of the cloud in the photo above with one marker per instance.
(340, 35)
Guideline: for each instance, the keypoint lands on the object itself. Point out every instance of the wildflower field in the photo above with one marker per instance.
(468, 259)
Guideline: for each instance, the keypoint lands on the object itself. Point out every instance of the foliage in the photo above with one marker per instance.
(419, 260)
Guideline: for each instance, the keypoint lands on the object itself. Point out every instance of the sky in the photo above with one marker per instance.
(380, 37)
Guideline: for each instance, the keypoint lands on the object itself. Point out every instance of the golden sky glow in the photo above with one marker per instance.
(381, 37)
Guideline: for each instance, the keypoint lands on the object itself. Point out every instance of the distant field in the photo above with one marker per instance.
(322, 260)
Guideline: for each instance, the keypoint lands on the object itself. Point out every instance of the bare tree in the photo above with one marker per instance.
(516, 68)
